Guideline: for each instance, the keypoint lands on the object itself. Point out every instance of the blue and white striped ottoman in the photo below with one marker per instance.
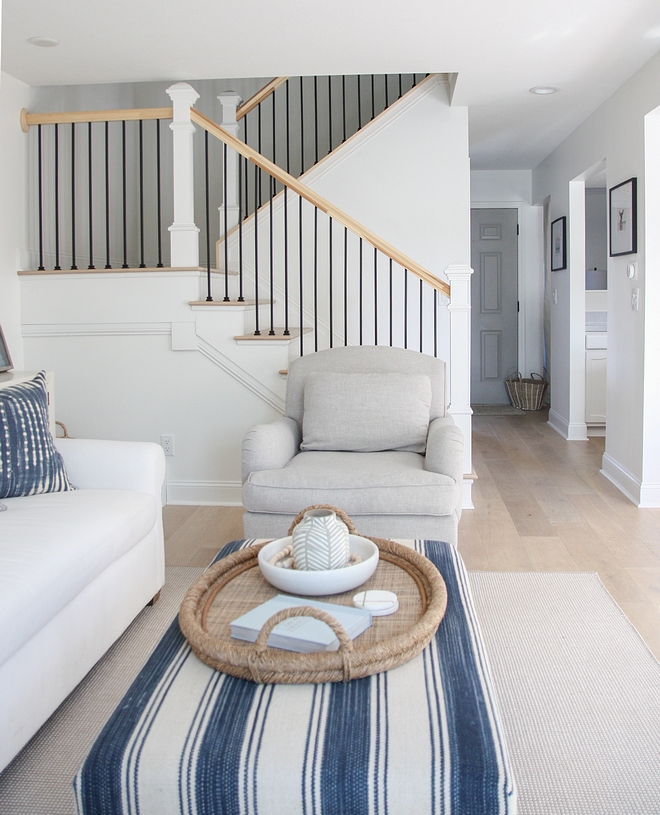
(422, 739)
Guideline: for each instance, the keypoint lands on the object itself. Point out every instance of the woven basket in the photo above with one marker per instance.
(235, 582)
(526, 394)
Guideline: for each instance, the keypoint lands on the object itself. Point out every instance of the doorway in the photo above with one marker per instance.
(494, 303)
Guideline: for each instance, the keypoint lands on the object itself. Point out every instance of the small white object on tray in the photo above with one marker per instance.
(317, 583)
(379, 603)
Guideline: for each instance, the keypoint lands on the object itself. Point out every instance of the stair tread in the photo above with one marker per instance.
(225, 303)
(279, 334)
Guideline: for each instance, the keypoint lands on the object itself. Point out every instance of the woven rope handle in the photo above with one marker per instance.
(261, 643)
(338, 512)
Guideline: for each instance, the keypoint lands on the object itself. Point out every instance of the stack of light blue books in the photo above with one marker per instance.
(302, 634)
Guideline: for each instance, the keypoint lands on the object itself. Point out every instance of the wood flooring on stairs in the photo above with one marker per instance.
(541, 504)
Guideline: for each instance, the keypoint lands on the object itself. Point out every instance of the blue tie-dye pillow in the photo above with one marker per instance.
(29, 461)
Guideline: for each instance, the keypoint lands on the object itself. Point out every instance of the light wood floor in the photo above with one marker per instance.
(540, 505)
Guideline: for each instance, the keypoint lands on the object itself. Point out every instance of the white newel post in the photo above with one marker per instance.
(459, 307)
(230, 101)
(184, 235)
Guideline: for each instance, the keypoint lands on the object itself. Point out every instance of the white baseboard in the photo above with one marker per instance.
(622, 480)
(649, 496)
(594, 430)
(575, 431)
(204, 493)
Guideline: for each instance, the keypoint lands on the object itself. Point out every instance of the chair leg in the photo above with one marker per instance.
(154, 599)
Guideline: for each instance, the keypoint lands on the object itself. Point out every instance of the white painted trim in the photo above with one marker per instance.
(623, 480)
(649, 496)
(571, 432)
(594, 430)
(241, 375)
(467, 494)
(94, 329)
(204, 493)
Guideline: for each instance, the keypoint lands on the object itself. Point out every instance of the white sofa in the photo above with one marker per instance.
(76, 568)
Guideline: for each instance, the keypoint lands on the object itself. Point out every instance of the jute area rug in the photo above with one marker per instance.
(578, 690)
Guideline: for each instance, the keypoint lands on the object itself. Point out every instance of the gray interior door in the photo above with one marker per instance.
(494, 303)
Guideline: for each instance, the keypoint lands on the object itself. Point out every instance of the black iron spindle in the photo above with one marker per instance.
(302, 132)
(345, 285)
(247, 169)
(226, 221)
(90, 203)
(141, 157)
(373, 97)
(259, 139)
(316, 120)
(360, 296)
(257, 184)
(159, 220)
(343, 106)
(271, 185)
(57, 266)
(41, 267)
(330, 114)
(123, 194)
(300, 270)
(316, 279)
(288, 128)
(73, 196)
(414, 80)
(405, 308)
(391, 302)
(435, 322)
(400, 85)
(207, 213)
(359, 101)
(241, 298)
(273, 129)
(286, 262)
(107, 196)
(387, 90)
(330, 279)
(375, 296)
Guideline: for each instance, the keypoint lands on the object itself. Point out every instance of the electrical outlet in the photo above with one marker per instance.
(634, 300)
(167, 443)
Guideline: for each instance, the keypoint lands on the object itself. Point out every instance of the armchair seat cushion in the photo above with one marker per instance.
(386, 483)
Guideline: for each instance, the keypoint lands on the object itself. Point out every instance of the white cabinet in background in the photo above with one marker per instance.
(596, 386)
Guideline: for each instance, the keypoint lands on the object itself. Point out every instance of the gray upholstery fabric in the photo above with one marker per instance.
(391, 483)
(444, 449)
(428, 527)
(366, 412)
(270, 446)
(364, 359)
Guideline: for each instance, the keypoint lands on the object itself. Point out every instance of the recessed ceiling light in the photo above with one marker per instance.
(43, 42)
(543, 90)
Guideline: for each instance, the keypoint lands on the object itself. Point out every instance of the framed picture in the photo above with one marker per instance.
(558, 244)
(5, 359)
(623, 218)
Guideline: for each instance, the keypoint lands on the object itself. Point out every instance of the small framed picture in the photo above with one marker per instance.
(558, 244)
(623, 218)
(5, 359)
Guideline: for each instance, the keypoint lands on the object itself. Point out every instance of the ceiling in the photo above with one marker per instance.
(499, 49)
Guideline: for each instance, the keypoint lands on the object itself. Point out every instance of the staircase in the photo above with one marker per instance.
(292, 272)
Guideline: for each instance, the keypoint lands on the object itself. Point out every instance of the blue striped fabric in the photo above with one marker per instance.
(423, 739)
(29, 461)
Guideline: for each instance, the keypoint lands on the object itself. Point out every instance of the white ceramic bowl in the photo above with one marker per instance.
(314, 584)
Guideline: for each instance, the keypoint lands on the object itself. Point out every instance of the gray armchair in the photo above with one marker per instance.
(365, 429)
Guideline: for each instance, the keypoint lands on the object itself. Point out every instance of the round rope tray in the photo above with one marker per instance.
(235, 585)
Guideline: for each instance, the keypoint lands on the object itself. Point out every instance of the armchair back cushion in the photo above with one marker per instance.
(366, 412)
(368, 360)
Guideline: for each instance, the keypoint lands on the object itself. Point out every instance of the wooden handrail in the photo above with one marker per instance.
(130, 114)
(259, 96)
(321, 203)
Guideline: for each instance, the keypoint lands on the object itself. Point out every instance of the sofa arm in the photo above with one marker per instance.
(270, 446)
(444, 449)
(114, 465)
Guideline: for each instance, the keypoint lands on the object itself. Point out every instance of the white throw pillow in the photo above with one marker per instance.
(366, 412)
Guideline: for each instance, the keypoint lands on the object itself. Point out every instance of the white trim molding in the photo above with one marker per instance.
(570, 432)
(205, 493)
(623, 480)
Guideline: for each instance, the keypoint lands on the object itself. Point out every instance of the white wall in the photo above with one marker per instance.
(14, 95)
(615, 133)
(513, 188)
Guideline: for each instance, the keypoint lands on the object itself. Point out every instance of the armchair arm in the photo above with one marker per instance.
(114, 465)
(444, 449)
(270, 446)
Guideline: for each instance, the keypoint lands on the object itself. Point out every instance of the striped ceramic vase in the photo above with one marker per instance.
(320, 541)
